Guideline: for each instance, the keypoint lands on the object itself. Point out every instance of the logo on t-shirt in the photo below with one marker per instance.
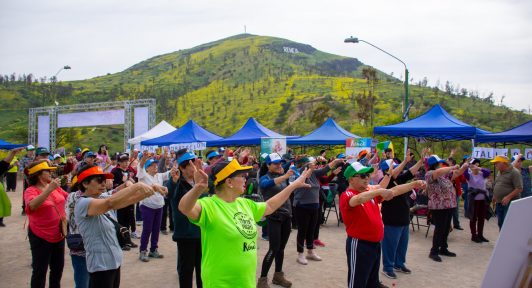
(245, 225)
(248, 246)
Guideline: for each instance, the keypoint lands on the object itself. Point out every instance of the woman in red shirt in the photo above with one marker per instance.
(45, 207)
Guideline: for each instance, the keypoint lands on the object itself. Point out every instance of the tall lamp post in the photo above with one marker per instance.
(66, 67)
(406, 107)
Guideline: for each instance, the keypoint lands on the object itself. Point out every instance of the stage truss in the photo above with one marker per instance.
(53, 111)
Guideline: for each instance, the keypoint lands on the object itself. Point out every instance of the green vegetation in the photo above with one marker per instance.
(289, 87)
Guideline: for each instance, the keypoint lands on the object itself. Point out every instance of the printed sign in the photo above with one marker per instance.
(500, 152)
(515, 152)
(483, 153)
(189, 146)
(528, 154)
(273, 145)
(353, 146)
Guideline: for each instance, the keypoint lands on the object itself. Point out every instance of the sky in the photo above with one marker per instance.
(483, 45)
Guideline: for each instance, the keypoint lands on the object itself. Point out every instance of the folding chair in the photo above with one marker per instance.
(330, 202)
(420, 211)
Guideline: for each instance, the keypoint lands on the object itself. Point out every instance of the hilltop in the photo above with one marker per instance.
(290, 87)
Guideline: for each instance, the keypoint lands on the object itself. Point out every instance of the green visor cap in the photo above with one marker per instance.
(356, 169)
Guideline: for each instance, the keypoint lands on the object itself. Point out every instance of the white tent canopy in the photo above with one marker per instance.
(160, 129)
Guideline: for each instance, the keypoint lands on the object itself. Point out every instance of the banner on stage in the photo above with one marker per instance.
(189, 146)
(273, 145)
(353, 146)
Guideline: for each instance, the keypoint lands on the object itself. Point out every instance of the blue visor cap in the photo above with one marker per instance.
(185, 157)
(341, 156)
(149, 162)
(385, 165)
(434, 159)
(212, 154)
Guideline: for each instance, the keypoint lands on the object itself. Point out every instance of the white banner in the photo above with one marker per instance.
(528, 153)
(43, 131)
(189, 146)
(483, 152)
(500, 152)
(84, 119)
(353, 146)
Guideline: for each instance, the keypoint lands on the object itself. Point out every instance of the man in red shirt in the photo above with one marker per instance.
(359, 206)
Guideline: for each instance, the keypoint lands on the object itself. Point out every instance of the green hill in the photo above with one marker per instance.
(289, 87)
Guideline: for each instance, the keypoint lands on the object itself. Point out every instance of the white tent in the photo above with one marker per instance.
(160, 129)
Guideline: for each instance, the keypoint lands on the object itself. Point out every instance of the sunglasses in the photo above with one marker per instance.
(99, 179)
(363, 176)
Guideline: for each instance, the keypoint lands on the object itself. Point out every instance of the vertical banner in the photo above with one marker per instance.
(515, 152)
(501, 152)
(353, 146)
(528, 154)
(43, 130)
(273, 145)
(483, 152)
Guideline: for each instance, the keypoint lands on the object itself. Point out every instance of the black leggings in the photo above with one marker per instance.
(126, 217)
(105, 279)
(11, 181)
(306, 223)
(167, 213)
(44, 254)
(279, 232)
(188, 260)
(442, 225)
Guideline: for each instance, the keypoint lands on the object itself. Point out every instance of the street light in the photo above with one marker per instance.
(406, 106)
(66, 67)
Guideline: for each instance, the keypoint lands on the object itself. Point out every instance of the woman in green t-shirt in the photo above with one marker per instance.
(227, 222)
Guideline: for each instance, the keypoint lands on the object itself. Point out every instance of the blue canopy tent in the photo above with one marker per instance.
(8, 146)
(191, 132)
(329, 133)
(249, 134)
(519, 134)
(435, 124)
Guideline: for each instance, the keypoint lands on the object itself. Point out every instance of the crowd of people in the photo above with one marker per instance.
(92, 202)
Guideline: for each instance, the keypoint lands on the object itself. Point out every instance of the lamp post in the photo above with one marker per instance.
(66, 67)
(406, 107)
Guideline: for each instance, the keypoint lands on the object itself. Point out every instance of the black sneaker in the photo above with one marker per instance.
(382, 285)
(2, 224)
(435, 257)
(126, 248)
(476, 239)
(458, 227)
(164, 232)
(132, 245)
(402, 270)
(447, 253)
(389, 274)
(483, 239)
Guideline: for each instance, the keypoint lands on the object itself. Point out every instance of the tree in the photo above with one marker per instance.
(370, 75)
(319, 114)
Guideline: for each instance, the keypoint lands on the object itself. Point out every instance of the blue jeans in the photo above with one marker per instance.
(456, 217)
(501, 211)
(81, 275)
(394, 246)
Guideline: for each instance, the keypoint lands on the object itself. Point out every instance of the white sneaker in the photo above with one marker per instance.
(301, 259)
(313, 256)
(135, 235)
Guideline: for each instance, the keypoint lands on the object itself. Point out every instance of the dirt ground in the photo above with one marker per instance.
(466, 270)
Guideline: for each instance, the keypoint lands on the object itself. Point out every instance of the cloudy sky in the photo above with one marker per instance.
(483, 45)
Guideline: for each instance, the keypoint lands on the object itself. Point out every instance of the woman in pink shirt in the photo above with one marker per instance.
(45, 207)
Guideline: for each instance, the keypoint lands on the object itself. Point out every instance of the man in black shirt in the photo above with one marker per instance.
(125, 216)
(396, 218)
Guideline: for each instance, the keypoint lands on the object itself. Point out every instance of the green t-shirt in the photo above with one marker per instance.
(229, 241)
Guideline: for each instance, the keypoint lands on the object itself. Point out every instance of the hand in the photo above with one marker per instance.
(337, 162)
(453, 151)
(408, 158)
(455, 167)
(161, 189)
(419, 184)
(16, 150)
(300, 181)
(245, 153)
(506, 200)
(289, 173)
(54, 184)
(425, 152)
(146, 190)
(337, 171)
(200, 177)
(175, 173)
(387, 194)
(109, 184)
